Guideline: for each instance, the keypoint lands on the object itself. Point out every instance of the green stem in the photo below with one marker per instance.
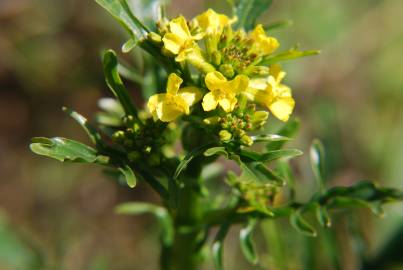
(185, 253)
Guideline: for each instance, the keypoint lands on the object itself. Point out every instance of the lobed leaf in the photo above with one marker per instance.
(66, 150)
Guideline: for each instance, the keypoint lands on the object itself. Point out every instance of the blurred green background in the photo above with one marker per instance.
(55, 216)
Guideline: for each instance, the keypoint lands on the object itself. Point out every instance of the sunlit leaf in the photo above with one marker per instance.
(129, 175)
(216, 151)
(120, 10)
(66, 150)
(188, 158)
(288, 130)
(287, 55)
(271, 155)
(269, 138)
(162, 215)
(114, 82)
(82, 121)
(246, 241)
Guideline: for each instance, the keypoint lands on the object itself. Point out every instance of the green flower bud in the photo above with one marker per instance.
(246, 140)
(225, 136)
(154, 38)
(259, 118)
(227, 70)
(118, 136)
(216, 58)
(211, 120)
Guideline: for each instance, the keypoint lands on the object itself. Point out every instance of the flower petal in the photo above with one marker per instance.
(172, 43)
(179, 27)
(152, 104)
(173, 84)
(190, 94)
(209, 102)
(228, 104)
(214, 80)
(282, 108)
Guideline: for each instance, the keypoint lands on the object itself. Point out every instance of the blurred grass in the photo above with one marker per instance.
(350, 96)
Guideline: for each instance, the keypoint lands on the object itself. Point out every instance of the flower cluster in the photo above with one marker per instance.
(219, 66)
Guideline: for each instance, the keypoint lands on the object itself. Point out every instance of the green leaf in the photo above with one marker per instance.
(287, 55)
(301, 225)
(82, 121)
(216, 151)
(248, 11)
(110, 64)
(269, 138)
(317, 154)
(129, 175)
(188, 158)
(218, 245)
(129, 45)
(271, 155)
(162, 215)
(66, 150)
(246, 241)
(120, 10)
(288, 130)
(323, 216)
(129, 74)
(258, 172)
(278, 25)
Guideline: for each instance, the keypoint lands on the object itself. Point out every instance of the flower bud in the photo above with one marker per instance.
(259, 118)
(154, 38)
(225, 136)
(216, 58)
(118, 136)
(246, 140)
(227, 70)
(211, 120)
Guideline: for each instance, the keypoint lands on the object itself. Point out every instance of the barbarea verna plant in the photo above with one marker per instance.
(210, 84)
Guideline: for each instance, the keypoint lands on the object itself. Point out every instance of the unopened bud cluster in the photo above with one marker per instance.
(143, 140)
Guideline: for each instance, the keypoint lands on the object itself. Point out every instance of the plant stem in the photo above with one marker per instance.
(185, 253)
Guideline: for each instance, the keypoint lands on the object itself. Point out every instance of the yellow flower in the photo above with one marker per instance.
(167, 107)
(223, 92)
(262, 44)
(179, 41)
(271, 93)
(213, 23)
